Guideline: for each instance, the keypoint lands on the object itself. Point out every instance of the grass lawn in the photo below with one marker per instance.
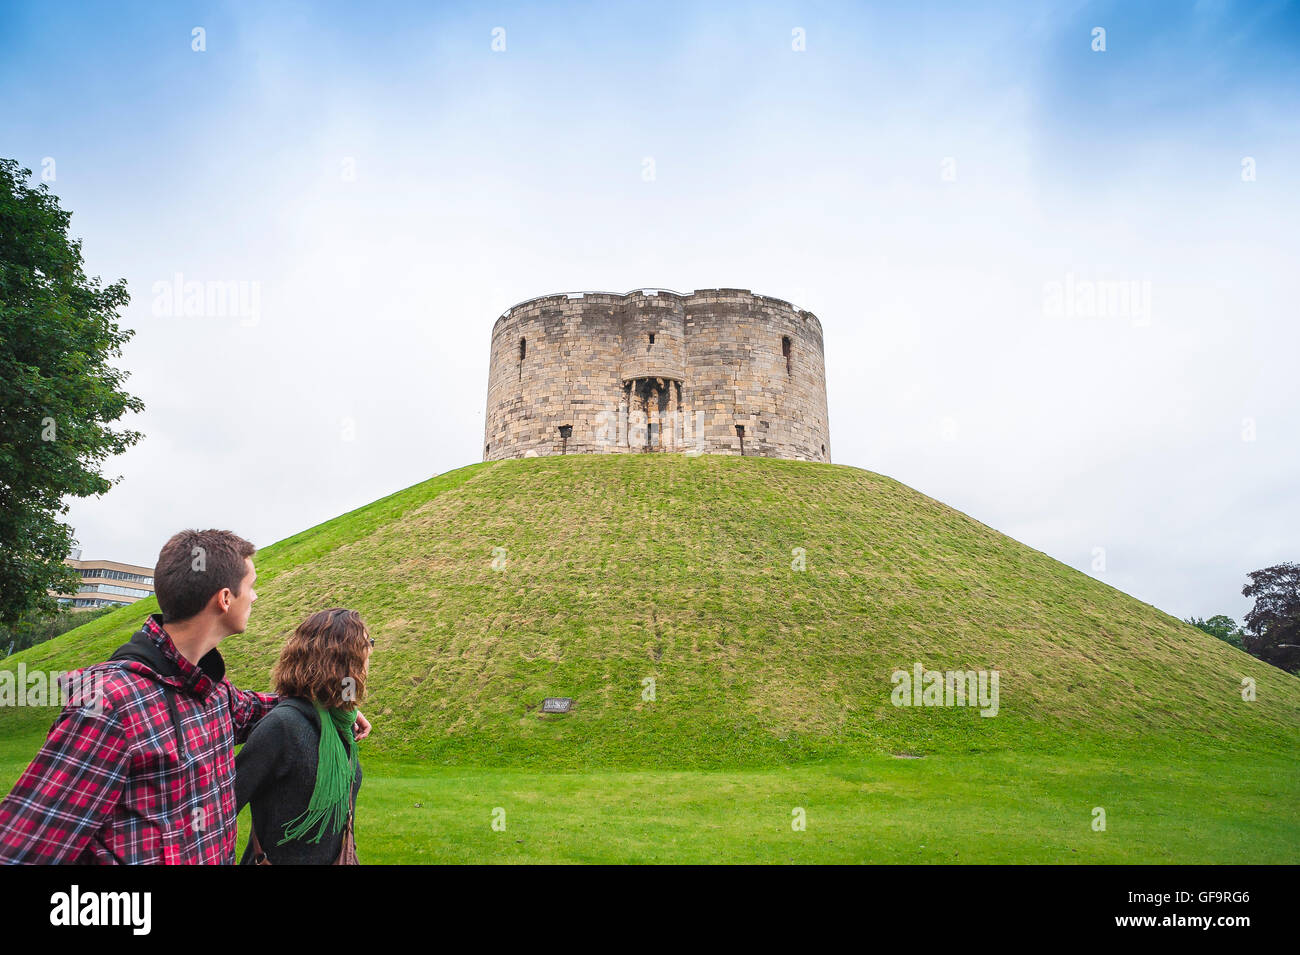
(978, 808)
(765, 605)
(955, 809)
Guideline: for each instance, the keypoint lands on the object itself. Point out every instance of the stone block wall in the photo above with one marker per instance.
(657, 371)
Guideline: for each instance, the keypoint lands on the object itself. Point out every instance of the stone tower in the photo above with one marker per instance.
(721, 371)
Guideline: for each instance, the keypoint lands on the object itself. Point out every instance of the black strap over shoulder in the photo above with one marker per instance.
(305, 707)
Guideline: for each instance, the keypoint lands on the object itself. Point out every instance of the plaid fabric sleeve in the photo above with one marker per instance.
(247, 708)
(69, 789)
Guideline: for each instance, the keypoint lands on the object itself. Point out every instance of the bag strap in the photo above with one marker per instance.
(347, 852)
(259, 857)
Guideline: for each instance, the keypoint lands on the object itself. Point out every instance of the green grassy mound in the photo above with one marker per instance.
(621, 569)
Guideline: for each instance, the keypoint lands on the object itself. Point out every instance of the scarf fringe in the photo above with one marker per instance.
(336, 770)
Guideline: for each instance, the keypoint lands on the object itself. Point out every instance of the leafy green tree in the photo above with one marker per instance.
(1225, 628)
(58, 394)
(1273, 624)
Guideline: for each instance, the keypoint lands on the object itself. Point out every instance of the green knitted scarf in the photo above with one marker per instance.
(336, 769)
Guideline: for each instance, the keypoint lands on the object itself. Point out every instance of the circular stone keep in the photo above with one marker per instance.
(721, 371)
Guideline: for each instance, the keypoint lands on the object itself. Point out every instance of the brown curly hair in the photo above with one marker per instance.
(327, 649)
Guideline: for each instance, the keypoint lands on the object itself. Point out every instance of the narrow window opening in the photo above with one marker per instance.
(785, 350)
(566, 432)
(523, 350)
(740, 433)
(487, 450)
(823, 450)
(652, 338)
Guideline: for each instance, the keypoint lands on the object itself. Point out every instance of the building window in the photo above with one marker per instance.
(652, 338)
(523, 350)
(102, 572)
(786, 348)
(97, 603)
(112, 589)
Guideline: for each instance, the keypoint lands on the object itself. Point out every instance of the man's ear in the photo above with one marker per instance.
(220, 601)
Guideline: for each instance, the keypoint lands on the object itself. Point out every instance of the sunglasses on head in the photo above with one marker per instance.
(336, 612)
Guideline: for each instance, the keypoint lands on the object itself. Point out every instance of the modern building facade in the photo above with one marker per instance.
(106, 583)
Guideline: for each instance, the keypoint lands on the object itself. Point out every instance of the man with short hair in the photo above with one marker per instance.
(145, 771)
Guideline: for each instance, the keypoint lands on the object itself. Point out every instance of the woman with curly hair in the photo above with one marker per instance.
(299, 769)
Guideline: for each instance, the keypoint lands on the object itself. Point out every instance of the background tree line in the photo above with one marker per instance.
(1271, 630)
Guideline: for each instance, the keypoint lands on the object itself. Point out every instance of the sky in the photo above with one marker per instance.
(1055, 267)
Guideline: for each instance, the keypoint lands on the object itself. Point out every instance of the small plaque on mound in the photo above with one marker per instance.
(556, 704)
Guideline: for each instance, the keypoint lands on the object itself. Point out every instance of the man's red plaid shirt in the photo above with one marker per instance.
(144, 772)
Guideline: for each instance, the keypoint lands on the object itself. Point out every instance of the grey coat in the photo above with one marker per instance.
(276, 773)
